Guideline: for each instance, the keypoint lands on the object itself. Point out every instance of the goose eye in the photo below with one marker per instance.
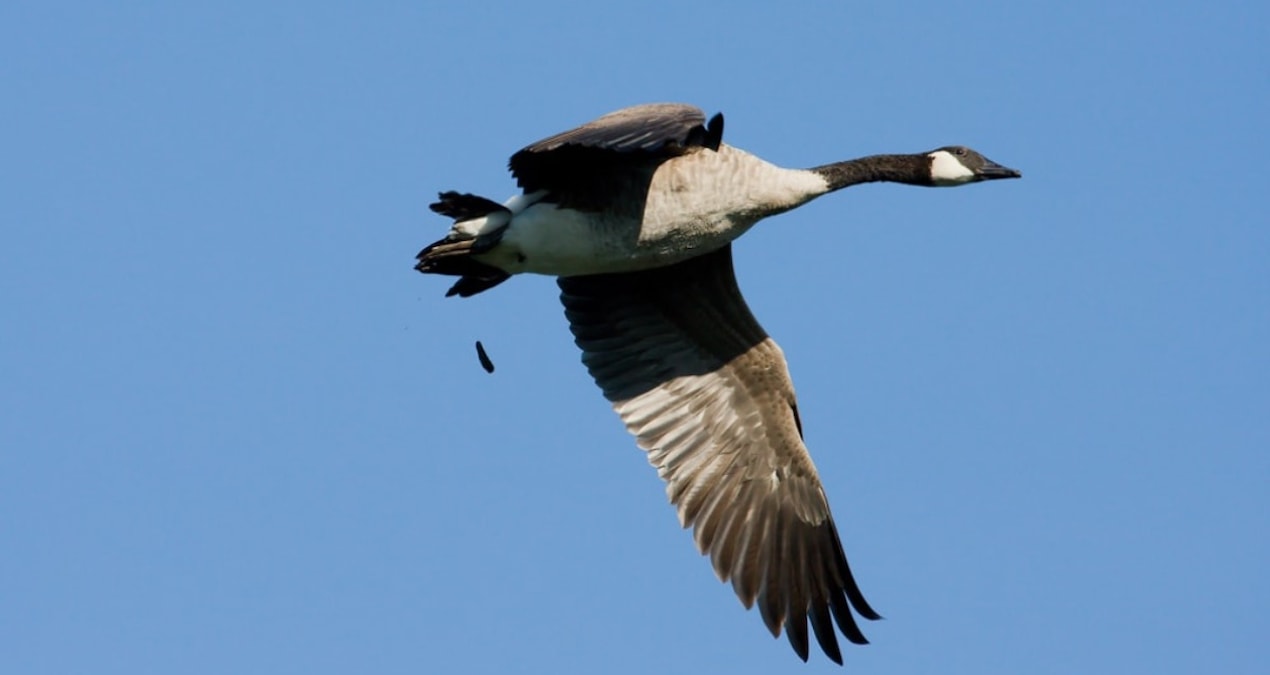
(961, 152)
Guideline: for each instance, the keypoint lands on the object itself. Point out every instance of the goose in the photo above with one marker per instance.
(635, 213)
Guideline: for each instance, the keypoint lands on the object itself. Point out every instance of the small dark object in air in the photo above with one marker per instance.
(485, 362)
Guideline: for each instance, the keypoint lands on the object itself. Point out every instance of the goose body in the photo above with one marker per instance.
(635, 213)
(694, 203)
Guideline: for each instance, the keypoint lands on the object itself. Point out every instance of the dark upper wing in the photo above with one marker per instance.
(586, 166)
(708, 396)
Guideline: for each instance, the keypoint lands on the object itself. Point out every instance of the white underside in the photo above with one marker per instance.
(696, 203)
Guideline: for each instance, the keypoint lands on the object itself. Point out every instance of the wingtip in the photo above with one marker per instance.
(714, 131)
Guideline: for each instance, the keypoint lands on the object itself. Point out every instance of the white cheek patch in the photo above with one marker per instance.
(946, 170)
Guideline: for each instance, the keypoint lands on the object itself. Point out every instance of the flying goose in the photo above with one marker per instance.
(635, 213)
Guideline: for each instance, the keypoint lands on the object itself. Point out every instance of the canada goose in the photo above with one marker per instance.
(636, 212)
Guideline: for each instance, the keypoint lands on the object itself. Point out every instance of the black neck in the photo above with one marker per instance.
(911, 169)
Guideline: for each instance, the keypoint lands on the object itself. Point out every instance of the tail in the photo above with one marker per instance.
(453, 255)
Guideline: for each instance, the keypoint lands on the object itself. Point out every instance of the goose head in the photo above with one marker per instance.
(957, 165)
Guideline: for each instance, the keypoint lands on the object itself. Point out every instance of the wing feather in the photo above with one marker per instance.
(708, 396)
(606, 164)
(649, 128)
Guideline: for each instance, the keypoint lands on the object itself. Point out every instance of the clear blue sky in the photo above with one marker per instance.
(239, 434)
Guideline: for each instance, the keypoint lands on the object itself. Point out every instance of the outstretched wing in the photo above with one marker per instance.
(707, 395)
(588, 166)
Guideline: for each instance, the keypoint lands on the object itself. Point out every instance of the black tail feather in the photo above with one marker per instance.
(464, 206)
(469, 285)
(453, 255)
(454, 258)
